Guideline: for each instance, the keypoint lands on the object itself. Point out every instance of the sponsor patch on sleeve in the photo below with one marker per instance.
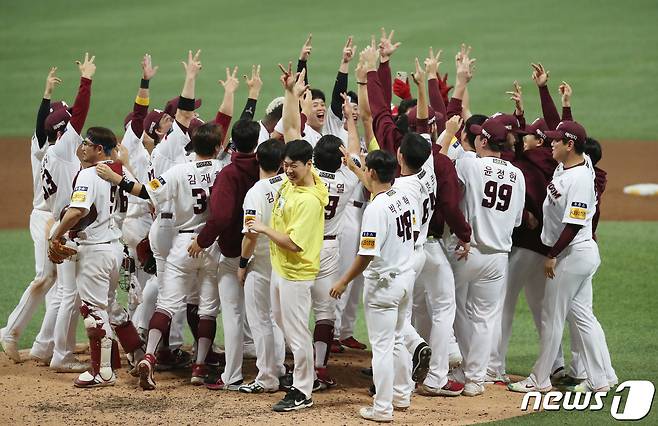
(80, 188)
(79, 196)
(249, 215)
(578, 213)
(368, 240)
(156, 183)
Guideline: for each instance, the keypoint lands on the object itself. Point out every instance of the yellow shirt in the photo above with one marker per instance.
(298, 211)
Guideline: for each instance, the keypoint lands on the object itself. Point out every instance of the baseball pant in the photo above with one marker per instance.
(43, 282)
(67, 315)
(44, 341)
(411, 337)
(134, 230)
(347, 306)
(386, 305)
(268, 338)
(291, 306)
(231, 297)
(324, 306)
(438, 283)
(479, 283)
(570, 294)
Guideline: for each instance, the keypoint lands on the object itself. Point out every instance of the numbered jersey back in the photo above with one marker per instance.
(340, 186)
(186, 188)
(494, 196)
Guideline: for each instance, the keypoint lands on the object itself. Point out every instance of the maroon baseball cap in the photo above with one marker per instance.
(194, 124)
(57, 120)
(510, 121)
(432, 116)
(172, 106)
(151, 122)
(538, 128)
(568, 130)
(492, 129)
(128, 119)
(54, 106)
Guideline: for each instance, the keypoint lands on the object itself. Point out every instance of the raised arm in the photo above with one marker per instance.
(304, 55)
(225, 112)
(452, 127)
(185, 111)
(422, 113)
(44, 109)
(254, 84)
(81, 105)
(386, 49)
(465, 66)
(516, 95)
(140, 108)
(434, 91)
(295, 87)
(340, 85)
(353, 145)
(540, 76)
(364, 105)
(565, 91)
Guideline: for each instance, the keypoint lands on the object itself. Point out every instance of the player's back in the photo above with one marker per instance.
(387, 234)
(258, 203)
(494, 196)
(36, 157)
(340, 186)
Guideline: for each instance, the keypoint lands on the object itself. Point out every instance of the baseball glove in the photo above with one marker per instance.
(58, 251)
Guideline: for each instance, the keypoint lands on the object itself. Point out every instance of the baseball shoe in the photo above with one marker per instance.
(145, 369)
(584, 386)
(336, 347)
(323, 380)
(454, 360)
(87, 380)
(493, 377)
(199, 374)
(218, 384)
(216, 359)
(367, 371)
(558, 375)
(451, 388)
(473, 389)
(352, 343)
(11, 349)
(372, 390)
(294, 400)
(255, 387)
(75, 366)
(172, 360)
(421, 362)
(43, 360)
(285, 381)
(368, 413)
(527, 385)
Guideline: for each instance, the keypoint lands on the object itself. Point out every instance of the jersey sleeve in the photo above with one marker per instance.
(130, 141)
(84, 191)
(173, 146)
(373, 231)
(300, 228)
(163, 188)
(252, 208)
(578, 205)
(463, 167)
(519, 216)
(67, 145)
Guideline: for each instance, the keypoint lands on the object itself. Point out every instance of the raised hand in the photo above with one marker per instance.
(539, 75)
(348, 50)
(419, 76)
(193, 64)
(516, 96)
(386, 45)
(369, 57)
(432, 64)
(231, 83)
(254, 83)
(464, 52)
(51, 81)
(300, 87)
(565, 91)
(306, 49)
(348, 111)
(87, 67)
(148, 70)
(454, 124)
(465, 67)
(361, 72)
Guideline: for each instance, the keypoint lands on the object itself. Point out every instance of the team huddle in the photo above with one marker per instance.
(434, 217)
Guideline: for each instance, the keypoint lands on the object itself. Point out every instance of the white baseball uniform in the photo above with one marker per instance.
(571, 199)
(387, 234)
(268, 338)
(494, 196)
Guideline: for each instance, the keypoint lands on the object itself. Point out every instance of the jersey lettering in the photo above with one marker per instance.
(404, 226)
(428, 206)
(500, 196)
(330, 208)
(49, 187)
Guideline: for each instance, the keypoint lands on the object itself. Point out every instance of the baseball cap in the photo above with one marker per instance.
(172, 106)
(492, 129)
(151, 122)
(54, 106)
(431, 116)
(57, 120)
(194, 124)
(128, 119)
(568, 130)
(510, 122)
(538, 128)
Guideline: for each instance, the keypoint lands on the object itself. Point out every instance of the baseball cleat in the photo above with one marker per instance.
(421, 362)
(87, 380)
(11, 349)
(172, 360)
(285, 381)
(584, 386)
(451, 388)
(473, 389)
(493, 377)
(215, 359)
(527, 385)
(352, 343)
(336, 347)
(145, 369)
(217, 384)
(372, 390)
(558, 375)
(43, 360)
(294, 400)
(368, 413)
(74, 366)
(255, 387)
(199, 374)
(323, 380)
(367, 371)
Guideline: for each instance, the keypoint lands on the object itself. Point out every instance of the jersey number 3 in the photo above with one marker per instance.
(201, 200)
(330, 208)
(49, 187)
(499, 196)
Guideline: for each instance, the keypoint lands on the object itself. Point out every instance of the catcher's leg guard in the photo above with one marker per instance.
(116, 356)
(100, 346)
(128, 337)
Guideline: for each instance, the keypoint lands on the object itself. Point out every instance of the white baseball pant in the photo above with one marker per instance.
(231, 297)
(67, 315)
(411, 337)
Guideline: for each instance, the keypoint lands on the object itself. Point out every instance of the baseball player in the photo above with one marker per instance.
(494, 194)
(88, 222)
(385, 259)
(186, 187)
(571, 262)
(256, 269)
(40, 221)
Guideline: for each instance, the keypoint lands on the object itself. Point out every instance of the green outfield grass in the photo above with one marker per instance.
(605, 49)
(624, 293)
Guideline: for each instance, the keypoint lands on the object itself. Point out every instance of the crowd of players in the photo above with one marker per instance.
(435, 217)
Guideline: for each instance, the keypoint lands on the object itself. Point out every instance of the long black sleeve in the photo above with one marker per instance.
(340, 86)
(39, 131)
(301, 64)
(249, 110)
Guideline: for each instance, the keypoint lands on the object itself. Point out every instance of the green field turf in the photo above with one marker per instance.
(624, 293)
(605, 49)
